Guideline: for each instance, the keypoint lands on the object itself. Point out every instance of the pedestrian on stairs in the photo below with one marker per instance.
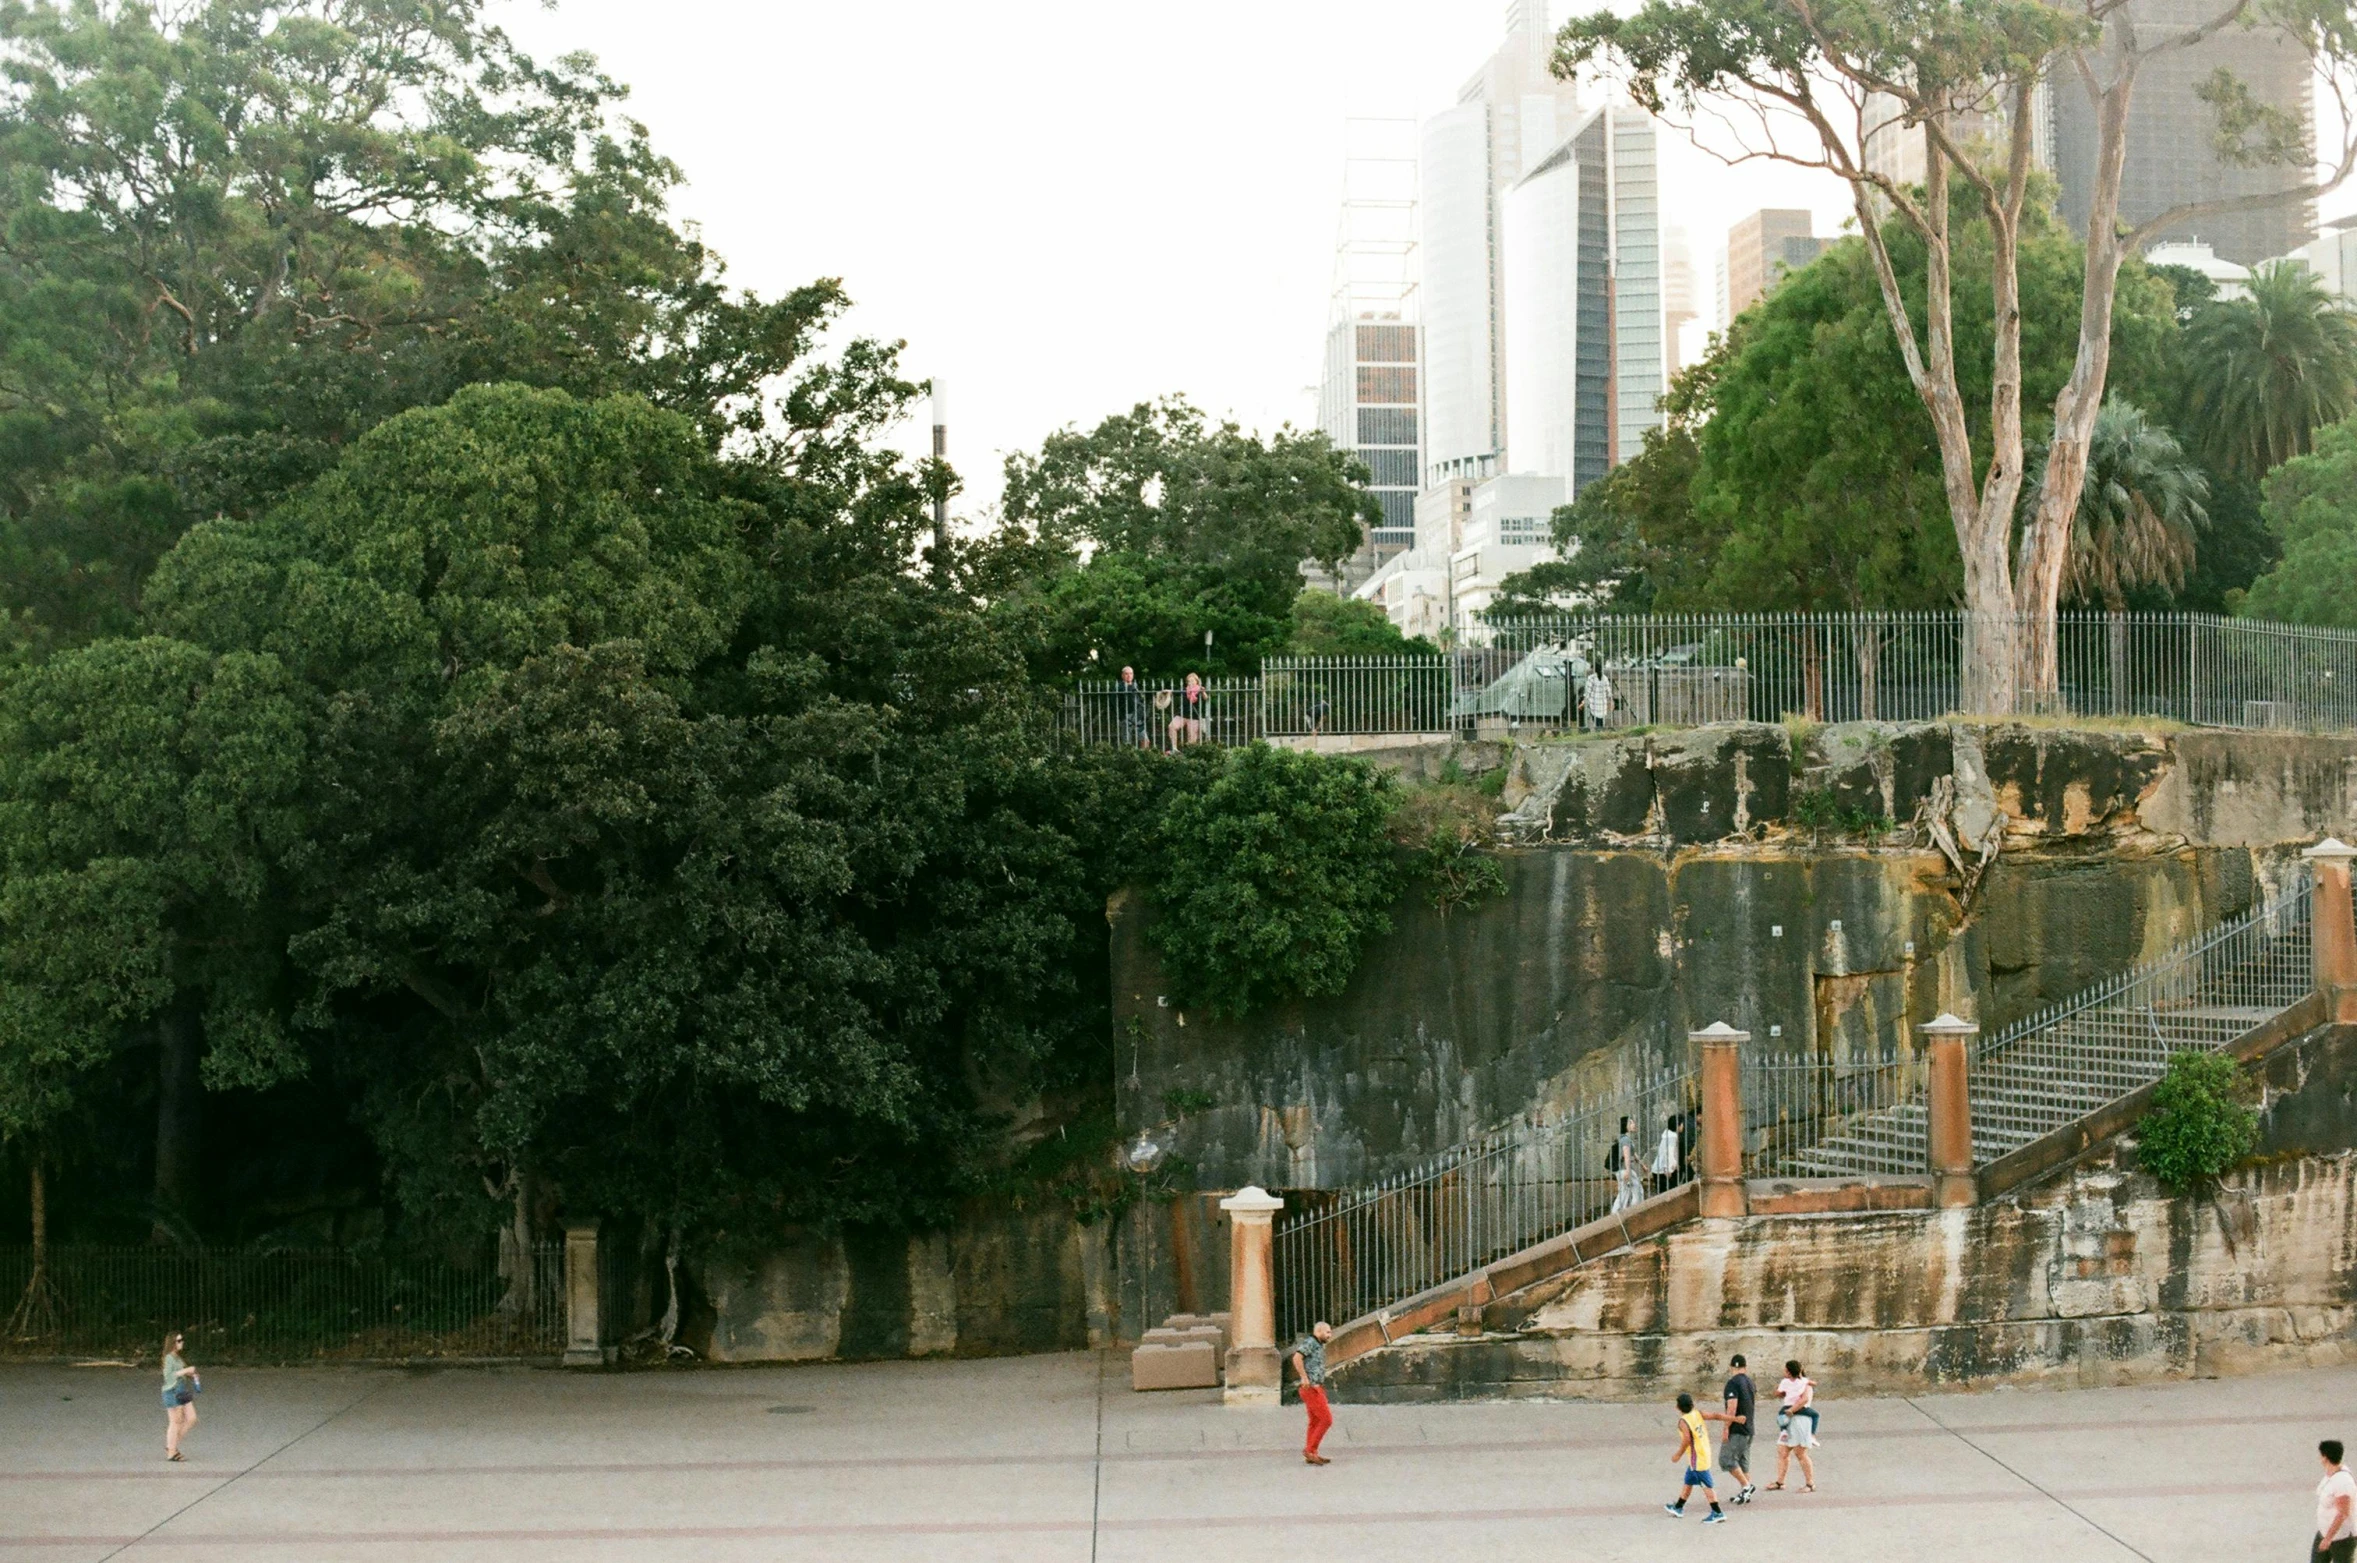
(1627, 1168)
(1693, 1452)
(1309, 1368)
(1665, 1156)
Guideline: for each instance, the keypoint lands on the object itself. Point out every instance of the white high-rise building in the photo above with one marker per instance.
(1369, 398)
(1513, 112)
(1589, 357)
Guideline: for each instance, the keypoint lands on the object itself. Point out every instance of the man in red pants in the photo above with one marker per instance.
(1309, 1367)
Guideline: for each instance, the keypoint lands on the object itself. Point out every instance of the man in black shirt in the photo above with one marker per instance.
(1735, 1450)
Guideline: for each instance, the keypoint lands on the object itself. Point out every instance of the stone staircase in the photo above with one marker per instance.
(2060, 1065)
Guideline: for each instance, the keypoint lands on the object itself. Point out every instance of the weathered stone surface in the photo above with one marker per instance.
(1597, 963)
(1001, 1281)
(2098, 1276)
(2049, 784)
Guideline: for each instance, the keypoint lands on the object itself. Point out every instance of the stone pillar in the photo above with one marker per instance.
(585, 1344)
(1255, 1375)
(1947, 1041)
(1721, 1148)
(2333, 928)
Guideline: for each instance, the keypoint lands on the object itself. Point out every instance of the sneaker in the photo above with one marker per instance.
(1674, 1511)
(1741, 1497)
(1748, 1489)
(1714, 1517)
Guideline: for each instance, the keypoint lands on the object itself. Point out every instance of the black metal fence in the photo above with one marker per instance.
(292, 1305)
(1685, 670)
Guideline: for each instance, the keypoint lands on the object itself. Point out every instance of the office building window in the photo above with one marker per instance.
(1391, 468)
(1387, 384)
(1387, 425)
(1387, 344)
(1523, 529)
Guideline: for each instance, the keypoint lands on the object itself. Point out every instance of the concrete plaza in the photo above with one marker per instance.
(1052, 1458)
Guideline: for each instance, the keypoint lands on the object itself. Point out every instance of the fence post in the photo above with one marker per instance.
(1722, 1119)
(1950, 1117)
(585, 1345)
(1255, 1376)
(2332, 927)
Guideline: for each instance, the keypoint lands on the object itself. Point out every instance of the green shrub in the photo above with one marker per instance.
(2203, 1120)
(1270, 879)
(1817, 809)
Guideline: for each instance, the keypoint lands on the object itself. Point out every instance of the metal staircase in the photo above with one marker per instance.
(2047, 1070)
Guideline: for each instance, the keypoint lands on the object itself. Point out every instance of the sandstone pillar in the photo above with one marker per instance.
(585, 1345)
(2333, 928)
(1254, 1372)
(1720, 1150)
(1947, 1042)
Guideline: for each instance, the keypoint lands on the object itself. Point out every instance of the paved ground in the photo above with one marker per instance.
(1025, 1459)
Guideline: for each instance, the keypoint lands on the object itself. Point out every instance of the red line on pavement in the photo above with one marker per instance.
(1322, 1518)
(1578, 1444)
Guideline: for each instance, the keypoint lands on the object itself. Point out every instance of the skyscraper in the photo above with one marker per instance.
(1588, 359)
(2170, 159)
(1368, 396)
(1510, 114)
(1761, 249)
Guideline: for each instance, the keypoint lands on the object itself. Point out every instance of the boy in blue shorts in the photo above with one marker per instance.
(1693, 1452)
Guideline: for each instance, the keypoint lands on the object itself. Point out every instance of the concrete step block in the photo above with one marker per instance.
(1189, 1365)
(1197, 1321)
(1166, 1336)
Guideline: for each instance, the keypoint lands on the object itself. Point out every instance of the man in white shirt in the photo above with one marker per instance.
(2336, 1509)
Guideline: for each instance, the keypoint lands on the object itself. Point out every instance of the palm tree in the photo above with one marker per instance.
(2138, 511)
(2263, 374)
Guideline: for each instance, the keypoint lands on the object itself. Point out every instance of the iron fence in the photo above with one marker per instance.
(1304, 697)
(1681, 670)
(1340, 1255)
(284, 1306)
(1793, 1107)
(2065, 1061)
(1165, 714)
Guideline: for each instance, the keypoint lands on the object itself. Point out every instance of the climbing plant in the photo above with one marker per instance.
(2203, 1120)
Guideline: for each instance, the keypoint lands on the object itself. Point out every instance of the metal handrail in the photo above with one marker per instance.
(1340, 1256)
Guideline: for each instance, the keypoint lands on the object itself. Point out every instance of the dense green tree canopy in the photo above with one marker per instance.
(2262, 374)
(2311, 506)
(1133, 540)
(236, 235)
(1796, 470)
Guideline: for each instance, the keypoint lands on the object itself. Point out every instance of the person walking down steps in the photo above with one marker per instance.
(1627, 1168)
(1693, 1452)
(1309, 1367)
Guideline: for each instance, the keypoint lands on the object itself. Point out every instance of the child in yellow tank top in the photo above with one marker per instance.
(1693, 1452)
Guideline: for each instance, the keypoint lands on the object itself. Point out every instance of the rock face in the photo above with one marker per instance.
(1001, 1281)
(2097, 1276)
(1656, 883)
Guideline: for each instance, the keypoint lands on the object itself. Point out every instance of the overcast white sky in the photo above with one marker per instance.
(1063, 208)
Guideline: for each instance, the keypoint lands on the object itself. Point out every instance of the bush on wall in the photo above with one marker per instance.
(1270, 878)
(2202, 1121)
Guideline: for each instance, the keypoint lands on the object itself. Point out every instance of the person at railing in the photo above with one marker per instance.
(1596, 700)
(1627, 1168)
(180, 1387)
(1190, 723)
(1129, 709)
(1665, 1156)
(1318, 711)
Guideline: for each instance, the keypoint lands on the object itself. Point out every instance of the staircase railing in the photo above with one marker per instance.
(1818, 1117)
(2119, 1035)
(1351, 1253)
